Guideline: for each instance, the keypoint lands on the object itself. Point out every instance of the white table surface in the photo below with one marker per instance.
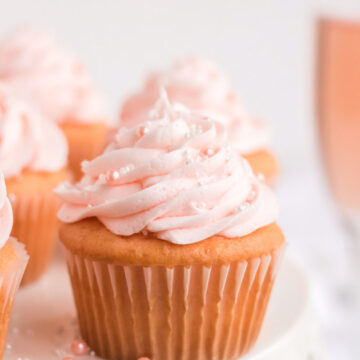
(318, 240)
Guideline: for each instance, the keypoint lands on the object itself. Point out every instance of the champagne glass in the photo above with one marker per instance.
(338, 113)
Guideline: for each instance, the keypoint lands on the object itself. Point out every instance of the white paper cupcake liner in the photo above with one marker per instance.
(36, 226)
(195, 312)
(9, 283)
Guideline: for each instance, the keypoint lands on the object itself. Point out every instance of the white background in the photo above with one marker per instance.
(268, 50)
(265, 46)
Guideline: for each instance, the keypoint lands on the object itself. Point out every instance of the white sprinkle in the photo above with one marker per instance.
(208, 152)
(196, 129)
(228, 154)
(261, 177)
(199, 206)
(92, 353)
(142, 130)
(124, 170)
(8, 346)
(61, 353)
(188, 158)
(84, 163)
(252, 195)
(242, 207)
(89, 205)
(12, 198)
(115, 175)
(101, 179)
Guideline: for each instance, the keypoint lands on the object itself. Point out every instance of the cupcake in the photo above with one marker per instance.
(171, 243)
(39, 71)
(201, 86)
(13, 260)
(33, 154)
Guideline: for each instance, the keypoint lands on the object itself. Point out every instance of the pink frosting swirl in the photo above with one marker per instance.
(173, 176)
(6, 214)
(27, 140)
(41, 72)
(193, 81)
(201, 86)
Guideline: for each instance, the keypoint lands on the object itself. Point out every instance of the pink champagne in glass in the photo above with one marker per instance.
(338, 101)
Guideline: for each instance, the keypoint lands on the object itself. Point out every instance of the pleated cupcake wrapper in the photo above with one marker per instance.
(36, 226)
(195, 312)
(9, 283)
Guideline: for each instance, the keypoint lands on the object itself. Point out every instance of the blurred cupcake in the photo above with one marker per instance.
(33, 154)
(13, 260)
(201, 86)
(171, 243)
(57, 84)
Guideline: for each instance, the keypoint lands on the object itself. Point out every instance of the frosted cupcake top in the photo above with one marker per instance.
(194, 82)
(201, 86)
(6, 214)
(27, 140)
(41, 72)
(172, 176)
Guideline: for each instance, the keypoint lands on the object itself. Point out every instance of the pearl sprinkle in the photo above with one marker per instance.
(208, 152)
(194, 130)
(79, 347)
(242, 207)
(198, 206)
(261, 177)
(141, 131)
(113, 176)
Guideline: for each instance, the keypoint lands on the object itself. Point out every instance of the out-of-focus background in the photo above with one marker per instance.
(267, 47)
(268, 50)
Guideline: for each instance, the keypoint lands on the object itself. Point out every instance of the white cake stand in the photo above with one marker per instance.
(43, 324)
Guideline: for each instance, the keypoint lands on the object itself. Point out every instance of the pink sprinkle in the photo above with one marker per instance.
(141, 131)
(112, 176)
(79, 347)
(143, 358)
(208, 152)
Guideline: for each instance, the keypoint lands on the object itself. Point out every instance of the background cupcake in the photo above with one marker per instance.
(171, 243)
(36, 69)
(201, 86)
(33, 153)
(13, 260)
